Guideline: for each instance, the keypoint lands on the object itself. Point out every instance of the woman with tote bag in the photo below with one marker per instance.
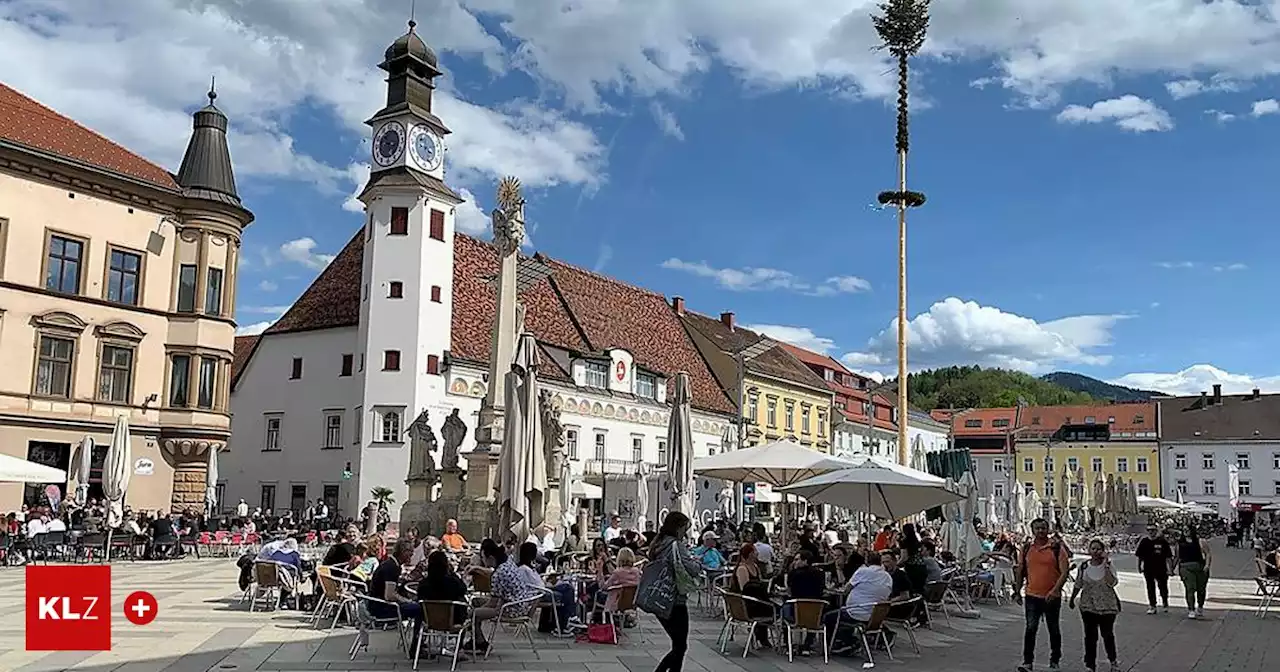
(670, 577)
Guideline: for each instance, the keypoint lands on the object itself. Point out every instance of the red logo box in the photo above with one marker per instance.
(69, 608)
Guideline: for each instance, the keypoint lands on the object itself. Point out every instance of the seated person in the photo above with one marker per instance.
(902, 588)
(747, 580)
(624, 576)
(712, 560)
(440, 584)
(342, 552)
(451, 539)
(933, 568)
(869, 586)
(385, 585)
(601, 565)
(804, 582)
(543, 539)
(374, 548)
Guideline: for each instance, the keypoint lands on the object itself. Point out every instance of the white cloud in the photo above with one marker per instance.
(603, 256)
(1199, 378)
(1265, 107)
(303, 251)
(252, 329)
(755, 279)
(265, 310)
(152, 60)
(1220, 116)
(268, 286)
(963, 332)
(802, 337)
(1128, 112)
(1231, 267)
(1186, 88)
(1176, 264)
(358, 177)
(1188, 265)
(469, 217)
(666, 121)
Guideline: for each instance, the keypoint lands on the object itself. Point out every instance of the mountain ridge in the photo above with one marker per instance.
(1098, 389)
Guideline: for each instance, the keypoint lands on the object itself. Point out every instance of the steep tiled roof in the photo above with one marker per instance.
(243, 348)
(1239, 417)
(776, 362)
(573, 310)
(983, 421)
(814, 359)
(1042, 421)
(25, 122)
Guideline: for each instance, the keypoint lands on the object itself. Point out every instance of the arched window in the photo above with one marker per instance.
(391, 427)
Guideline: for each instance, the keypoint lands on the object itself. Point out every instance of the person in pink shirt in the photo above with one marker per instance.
(624, 576)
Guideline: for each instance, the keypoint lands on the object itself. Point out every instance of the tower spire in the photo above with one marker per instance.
(213, 88)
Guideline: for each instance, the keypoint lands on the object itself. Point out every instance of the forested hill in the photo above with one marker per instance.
(1097, 388)
(976, 387)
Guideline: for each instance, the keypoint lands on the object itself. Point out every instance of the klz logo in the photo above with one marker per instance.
(69, 608)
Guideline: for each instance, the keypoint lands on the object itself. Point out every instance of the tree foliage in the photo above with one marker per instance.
(976, 387)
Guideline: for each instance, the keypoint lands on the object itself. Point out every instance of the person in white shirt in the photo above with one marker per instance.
(764, 552)
(55, 525)
(869, 586)
(35, 526)
(544, 538)
(614, 530)
(242, 509)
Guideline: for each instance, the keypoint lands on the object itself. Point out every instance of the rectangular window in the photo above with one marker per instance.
(1242, 460)
(297, 499)
(333, 430)
(753, 409)
(972, 424)
(115, 374)
(391, 360)
(187, 288)
(596, 374)
(331, 493)
(822, 423)
(1090, 420)
(180, 381)
(1048, 487)
(1095, 464)
(272, 441)
(1142, 465)
(399, 221)
(1246, 488)
(1048, 465)
(997, 489)
(1138, 419)
(637, 449)
(1206, 461)
(571, 443)
(599, 445)
(773, 413)
(208, 382)
(390, 429)
(662, 452)
(1035, 419)
(358, 416)
(1111, 420)
(997, 465)
(804, 420)
(1028, 464)
(1029, 487)
(1275, 461)
(268, 499)
(395, 290)
(124, 275)
(791, 418)
(433, 365)
(53, 370)
(348, 363)
(1122, 464)
(1180, 485)
(435, 293)
(1210, 486)
(437, 224)
(1144, 490)
(295, 369)
(1180, 461)
(1276, 485)
(213, 292)
(64, 266)
(646, 386)
(1073, 465)
(998, 422)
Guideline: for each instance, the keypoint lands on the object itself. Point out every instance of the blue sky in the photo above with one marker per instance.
(1097, 174)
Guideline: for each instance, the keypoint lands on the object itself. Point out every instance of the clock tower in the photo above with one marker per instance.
(406, 313)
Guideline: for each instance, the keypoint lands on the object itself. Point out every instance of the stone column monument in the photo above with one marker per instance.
(422, 477)
(508, 236)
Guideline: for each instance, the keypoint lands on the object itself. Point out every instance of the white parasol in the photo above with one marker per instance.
(115, 475)
(680, 447)
(522, 473)
(81, 466)
(884, 489)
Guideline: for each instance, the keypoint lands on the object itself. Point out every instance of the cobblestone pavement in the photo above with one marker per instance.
(202, 627)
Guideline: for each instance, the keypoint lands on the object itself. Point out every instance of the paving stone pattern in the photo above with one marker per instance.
(203, 627)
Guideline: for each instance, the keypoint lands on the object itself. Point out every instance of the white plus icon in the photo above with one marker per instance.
(141, 609)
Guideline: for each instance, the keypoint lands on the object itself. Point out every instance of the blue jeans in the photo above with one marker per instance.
(1051, 611)
(566, 606)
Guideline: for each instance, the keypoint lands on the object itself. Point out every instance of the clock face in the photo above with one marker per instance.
(388, 143)
(425, 147)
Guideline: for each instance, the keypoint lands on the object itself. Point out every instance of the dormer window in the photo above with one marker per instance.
(646, 386)
(829, 375)
(596, 374)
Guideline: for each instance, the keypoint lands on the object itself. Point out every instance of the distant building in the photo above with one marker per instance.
(863, 421)
(1203, 436)
(117, 297)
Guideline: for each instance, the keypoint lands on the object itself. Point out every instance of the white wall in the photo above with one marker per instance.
(934, 439)
(265, 390)
(1261, 475)
(853, 439)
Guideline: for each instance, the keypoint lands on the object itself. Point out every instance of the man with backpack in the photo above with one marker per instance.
(1043, 566)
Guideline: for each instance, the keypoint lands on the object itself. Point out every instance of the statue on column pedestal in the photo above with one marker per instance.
(552, 436)
(453, 432)
(508, 217)
(422, 446)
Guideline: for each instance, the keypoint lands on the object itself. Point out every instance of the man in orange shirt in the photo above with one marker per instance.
(1044, 567)
(886, 539)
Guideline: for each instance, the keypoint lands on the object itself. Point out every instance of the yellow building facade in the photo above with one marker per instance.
(1137, 460)
(774, 409)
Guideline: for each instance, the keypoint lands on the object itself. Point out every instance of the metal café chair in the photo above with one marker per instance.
(438, 621)
(807, 620)
(736, 614)
(519, 615)
(366, 621)
(626, 605)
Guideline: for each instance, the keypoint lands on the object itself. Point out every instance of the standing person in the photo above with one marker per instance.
(1154, 555)
(1193, 567)
(669, 546)
(1099, 605)
(1044, 567)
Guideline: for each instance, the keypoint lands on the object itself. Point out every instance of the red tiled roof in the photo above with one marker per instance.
(243, 348)
(816, 359)
(776, 362)
(23, 121)
(985, 419)
(1041, 421)
(573, 310)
